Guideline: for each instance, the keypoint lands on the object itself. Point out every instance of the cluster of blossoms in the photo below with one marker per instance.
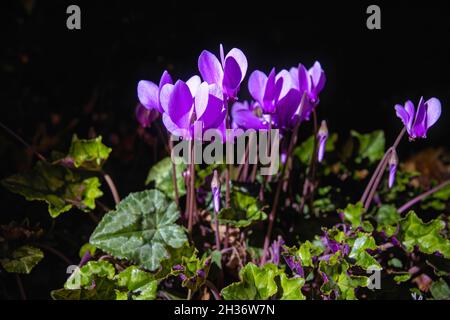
(280, 100)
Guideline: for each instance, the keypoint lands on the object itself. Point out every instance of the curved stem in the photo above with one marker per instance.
(174, 176)
(22, 141)
(377, 179)
(21, 288)
(112, 187)
(273, 212)
(422, 196)
(55, 252)
(213, 289)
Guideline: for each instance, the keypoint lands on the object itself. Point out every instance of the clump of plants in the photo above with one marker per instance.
(335, 219)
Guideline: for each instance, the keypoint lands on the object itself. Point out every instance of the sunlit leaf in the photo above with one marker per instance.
(161, 175)
(22, 260)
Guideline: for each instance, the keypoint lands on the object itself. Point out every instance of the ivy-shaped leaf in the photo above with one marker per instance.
(87, 154)
(140, 285)
(427, 236)
(84, 277)
(257, 283)
(141, 229)
(387, 218)
(22, 260)
(359, 246)
(353, 213)
(161, 175)
(61, 187)
(371, 145)
(292, 288)
(192, 270)
(244, 211)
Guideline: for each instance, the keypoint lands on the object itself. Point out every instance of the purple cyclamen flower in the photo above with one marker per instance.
(322, 136)
(273, 92)
(275, 250)
(295, 266)
(417, 123)
(248, 116)
(178, 267)
(187, 102)
(145, 116)
(148, 92)
(215, 188)
(201, 273)
(393, 162)
(311, 82)
(228, 73)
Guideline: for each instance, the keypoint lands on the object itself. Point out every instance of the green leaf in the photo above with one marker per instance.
(61, 187)
(440, 290)
(353, 214)
(305, 150)
(387, 218)
(371, 145)
(139, 283)
(292, 288)
(22, 260)
(396, 263)
(402, 277)
(244, 211)
(86, 247)
(194, 269)
(161, 175)
(216, 257)
(427, 236)
(104, 290)
(141, 229)
(359, 252)
(257, 283)
(83, 277)
(86, 154)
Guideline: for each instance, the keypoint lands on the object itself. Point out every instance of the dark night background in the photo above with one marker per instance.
(56, 82)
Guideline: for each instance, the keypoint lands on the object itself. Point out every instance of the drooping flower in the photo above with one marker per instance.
(145, 116)
(148, 92)
(418, 123)
(228, 73)
(276, 95)
(393, 163)
(311, 82)
(187, 102)
(247, 115)
(215, 188)
(275, 250)
(322, 137)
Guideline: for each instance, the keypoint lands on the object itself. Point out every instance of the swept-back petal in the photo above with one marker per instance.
(148, 94)
(193, 83)
(165, 79)
(433, 111)
(210, 68)
(257, 84)
(181, 105)
(318, 77)
(164, 97)
(403, 115)
(303, 79)
(232, 75)
(419, 125)
(201, 99)
(241, 60)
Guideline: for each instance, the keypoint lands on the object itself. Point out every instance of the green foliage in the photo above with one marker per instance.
(22, 260)
(359, 246)
(305, 150)
(161, 175)
(353, 213)
(337, 280)
(87, 154)
(402, 277)
(371, 146)
(244, 211)
(440, 290)
(260, 283)
(387, 218)
(97, 280)
(61, 187)
(141, 229)
(427, 236)
(194, 270)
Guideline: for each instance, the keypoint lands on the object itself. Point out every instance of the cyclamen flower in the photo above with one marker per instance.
(145, 116)
(323, 136)
(148, 92)
(418, 123)
(248, 116)
(275, 250)
(393, 162)
(228, 73)
(187, 102)
(311, 82)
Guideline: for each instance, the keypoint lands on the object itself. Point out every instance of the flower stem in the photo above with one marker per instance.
(192, 204)
(272, 214)
(174, 176)
(422, 196)
(379, 171)
(112, 187)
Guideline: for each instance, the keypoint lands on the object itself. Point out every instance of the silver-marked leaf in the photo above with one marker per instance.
(141, 229)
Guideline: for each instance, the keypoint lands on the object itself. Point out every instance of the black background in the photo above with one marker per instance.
(48, 71)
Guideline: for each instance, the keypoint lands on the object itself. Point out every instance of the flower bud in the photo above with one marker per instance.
(322, 135)
(393, 162)
(215, 188)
